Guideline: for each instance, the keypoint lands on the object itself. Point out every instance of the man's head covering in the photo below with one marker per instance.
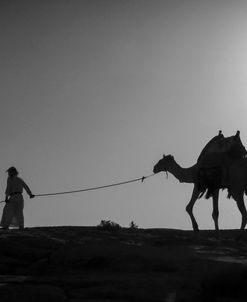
(12, 170)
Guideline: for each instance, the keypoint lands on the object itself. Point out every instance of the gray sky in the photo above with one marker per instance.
(94, 92)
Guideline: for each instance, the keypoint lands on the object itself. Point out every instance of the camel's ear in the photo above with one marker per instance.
(220, 132)
(238, 133)
(164, 156)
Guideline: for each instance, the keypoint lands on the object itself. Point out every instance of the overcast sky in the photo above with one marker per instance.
(94, 92)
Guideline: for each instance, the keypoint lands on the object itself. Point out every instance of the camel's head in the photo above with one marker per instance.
(163, 164)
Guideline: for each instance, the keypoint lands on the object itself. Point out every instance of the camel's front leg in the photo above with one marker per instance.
(189, 208)
(215, 214)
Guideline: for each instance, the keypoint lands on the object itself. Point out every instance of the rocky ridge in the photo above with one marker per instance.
(90, 264)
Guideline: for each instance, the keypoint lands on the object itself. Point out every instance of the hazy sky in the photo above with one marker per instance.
(94, 92)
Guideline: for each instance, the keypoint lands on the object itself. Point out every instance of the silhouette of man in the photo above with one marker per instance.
(13, 210)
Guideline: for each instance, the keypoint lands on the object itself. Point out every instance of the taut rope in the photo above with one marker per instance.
(97, 188)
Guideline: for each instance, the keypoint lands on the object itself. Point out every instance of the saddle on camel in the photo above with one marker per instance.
(214, 162)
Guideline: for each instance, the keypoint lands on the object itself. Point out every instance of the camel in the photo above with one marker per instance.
(237, 186)
(236, 176)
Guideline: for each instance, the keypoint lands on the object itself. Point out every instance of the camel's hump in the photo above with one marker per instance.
(232, 146)
(213, 146)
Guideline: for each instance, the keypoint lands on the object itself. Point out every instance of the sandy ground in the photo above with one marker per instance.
(89, 264)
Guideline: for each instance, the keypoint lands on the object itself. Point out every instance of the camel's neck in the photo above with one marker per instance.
(182, 174)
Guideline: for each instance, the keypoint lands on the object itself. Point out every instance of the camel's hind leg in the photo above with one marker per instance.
(189, 208)
(238, 195)
(215, 213)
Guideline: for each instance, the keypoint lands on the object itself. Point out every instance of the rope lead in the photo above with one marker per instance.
(97, 188)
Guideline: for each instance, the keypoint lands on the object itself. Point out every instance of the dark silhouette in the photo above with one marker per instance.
(232, 146)
(13, 210)
(214, 162)
(213, 171)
